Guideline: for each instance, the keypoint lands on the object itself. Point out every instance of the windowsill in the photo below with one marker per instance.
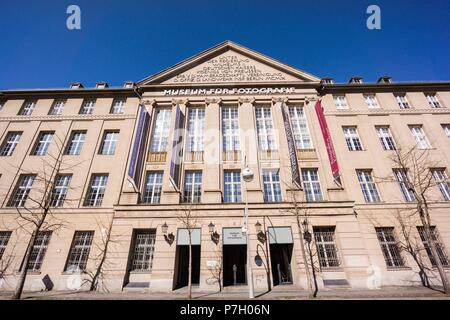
(140, 272)
(332, 269)
(404, 268)
(31, 273)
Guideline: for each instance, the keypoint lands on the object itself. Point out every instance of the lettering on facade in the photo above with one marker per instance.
(213, 91)
(230, 68)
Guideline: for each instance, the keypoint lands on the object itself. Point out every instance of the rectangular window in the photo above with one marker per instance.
(76, 143)
(232, 186)
(272, 187)
(326, 246)
(446, 128)
(4, 239)
(300, 129)
(39, 249)
(311, 185)
(96, 192)
(402, 101)
(21, 191)
(389, 246)
(88, 106)
(42, 144)
(433, 100)
(153, 186)
(438, 244)
(10, 144)
(420, 137)
(442, 181)
(371, 101)
(79, 251)
(161, 129)
(109, 143)
(405, 187)
(196, 127)
(352, 138)
(144, 247)
(340, 102)
(117, 106)
(27, 108)
(386, 138)
(230, 129)
(368, 186)
(192, 186)
(57, 107)
(60, 189)
(264, 127)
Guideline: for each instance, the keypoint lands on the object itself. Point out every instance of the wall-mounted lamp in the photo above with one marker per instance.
(259, 233)
(170, 238)
(306, 235)
(215, 237)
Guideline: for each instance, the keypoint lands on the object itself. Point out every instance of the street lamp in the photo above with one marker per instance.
(248, 175)
(214, 235)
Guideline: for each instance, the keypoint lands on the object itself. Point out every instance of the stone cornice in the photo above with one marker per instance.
(385, 87)
(387, 112)
(69, 117)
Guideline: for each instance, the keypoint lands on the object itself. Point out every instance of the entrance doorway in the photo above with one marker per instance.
(182, 266)
(234, 265)
(280, 256)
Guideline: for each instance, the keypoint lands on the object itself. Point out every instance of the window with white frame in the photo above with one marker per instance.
(326, 246)
(39, 249)
(79, 251)
(144, 247)
(311, 185)
(441, 178)
(96, 191)
(57, 107)
(386, 138)
(272, 187)
(196, 127)
(4, 239)
(161, 129)
(446, 128)
(192, 186)
(437, 243)
(340, 101)
(117, 106)
(60, 188)
(371, 101)
(42, 144)
(88, 106)
(109, 142)
(10, 143)
(265, 130)
(368, 186)
(230, 129)
(404, 184)
(300, 129)
(433, 100)
(153, 187)
(27, 108)
(21, 191)
(352, 138)
(232, 186)
(76, 143)
(420, 137)
(389, 247)
(402, 101)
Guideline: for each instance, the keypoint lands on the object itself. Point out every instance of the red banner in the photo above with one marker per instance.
(328, 142)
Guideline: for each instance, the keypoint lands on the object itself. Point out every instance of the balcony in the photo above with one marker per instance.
(157, 157)
(306, 154)
(232, 156)
(268, 155)
(194, 156)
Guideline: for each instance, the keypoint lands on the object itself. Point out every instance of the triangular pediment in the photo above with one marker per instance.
(229, 63)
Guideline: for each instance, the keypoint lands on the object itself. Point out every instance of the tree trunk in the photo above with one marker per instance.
(316, 287)
(26, 260)
(305, 260)
(190, 267)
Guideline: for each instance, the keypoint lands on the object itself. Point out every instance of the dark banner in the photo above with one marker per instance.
(177, 149)
(138, 151)
(295, 171)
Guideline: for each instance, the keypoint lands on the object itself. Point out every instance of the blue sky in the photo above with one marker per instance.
(130, 40)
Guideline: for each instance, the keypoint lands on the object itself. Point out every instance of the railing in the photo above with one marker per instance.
(268, 154)
(306, 154)
(232, 156)
(194, 156)
(157, 156)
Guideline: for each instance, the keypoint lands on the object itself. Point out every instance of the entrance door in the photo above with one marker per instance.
(182, 266)
(234, 265)
(280, 256)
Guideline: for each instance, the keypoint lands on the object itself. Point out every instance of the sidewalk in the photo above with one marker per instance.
(386, 293)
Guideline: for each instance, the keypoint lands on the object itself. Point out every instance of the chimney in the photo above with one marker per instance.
(76, 85)
(356, 80)
(385, 79)
(101, 85)
(327, 80)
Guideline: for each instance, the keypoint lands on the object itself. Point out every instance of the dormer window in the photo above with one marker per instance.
(76, 85)
(384, 79)
(327, 81)
(356, 80)
(101, 85)
(129, 84)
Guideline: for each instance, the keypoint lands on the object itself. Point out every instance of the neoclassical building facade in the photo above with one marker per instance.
(143, 166)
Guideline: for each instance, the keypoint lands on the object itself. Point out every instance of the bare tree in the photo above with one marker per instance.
(416, 165)
(6, 262)
(216, 270)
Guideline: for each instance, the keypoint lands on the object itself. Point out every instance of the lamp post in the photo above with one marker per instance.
(248, 175)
